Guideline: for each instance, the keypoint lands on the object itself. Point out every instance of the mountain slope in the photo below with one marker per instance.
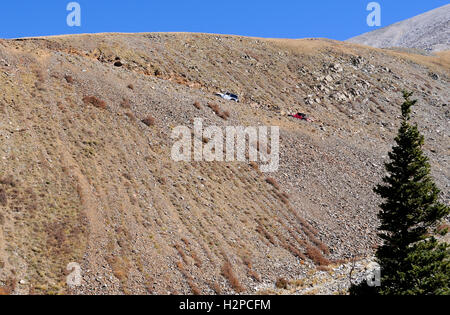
(429, 31)
(84, 180)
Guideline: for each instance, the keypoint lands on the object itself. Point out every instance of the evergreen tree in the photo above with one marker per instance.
(412, 261)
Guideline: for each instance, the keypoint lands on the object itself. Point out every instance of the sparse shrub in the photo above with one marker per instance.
(261, 230)
(197, 105)
(222, 115)
(194, 288)
(254, 275)
(120, 267)
(295, 251)
(92, 100)
(197, 260)
(56, 238)
(324, 248)
(130, 86)
(149, 121)
(130, 115)
(227, 272)
(125, 103)
(284, 197)
(273, 182)
(9, 288)
(282, 283)
(246, 260)
(381, 109)
(39, 86)
(216, 288)
(374, 100)
(216, 109)
(323, 268)
(8, 181)
(40, 75)
(254, 165)
(185, 241)
(127, 176)
(3, 198)
(182, 254)
(69, 79)
(315, 255)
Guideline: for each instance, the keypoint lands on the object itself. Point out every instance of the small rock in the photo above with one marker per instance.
(434, 76)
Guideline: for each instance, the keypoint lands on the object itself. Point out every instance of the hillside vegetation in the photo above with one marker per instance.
(86, 174)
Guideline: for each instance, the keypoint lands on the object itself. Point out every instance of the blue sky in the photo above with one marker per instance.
(336, 19)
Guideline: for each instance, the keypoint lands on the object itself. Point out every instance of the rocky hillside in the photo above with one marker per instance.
(429, 31)
(87, 174)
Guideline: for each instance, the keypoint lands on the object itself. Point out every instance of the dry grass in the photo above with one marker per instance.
(213, 218)
(198, 261)
(247, 262)
(125, 103)
(316, 256)
(120, 267)
(228, 273)
(323, 268)
(216, 109)
(131, 116)
(69, 79)
(324, 248)
(272, 181)
(261, 230)
(93, 100)
(3, 198)
(9, 287)
(254, 166)
(194, 288)
(295, 251)
(149, 121)
(197, 105)
(216, 287)
(254, 275)
(282, 283)
(224, 115)
(284, 197)
(181, 253)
